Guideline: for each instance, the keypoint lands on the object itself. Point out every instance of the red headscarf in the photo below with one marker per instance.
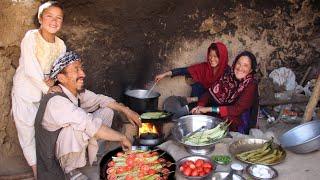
(203, 72)
(228, 88)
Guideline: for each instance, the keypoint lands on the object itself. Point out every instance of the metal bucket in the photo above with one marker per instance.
(139, 101)
(304, 138)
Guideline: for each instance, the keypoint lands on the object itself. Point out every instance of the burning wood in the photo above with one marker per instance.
(148, 128)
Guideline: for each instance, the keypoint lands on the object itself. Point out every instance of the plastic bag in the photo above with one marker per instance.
(284, 77)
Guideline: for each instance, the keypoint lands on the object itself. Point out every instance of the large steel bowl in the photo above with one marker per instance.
(304, 138)
(180, 162)
(191, 123)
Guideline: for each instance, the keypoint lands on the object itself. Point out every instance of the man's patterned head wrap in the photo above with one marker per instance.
(62, 62)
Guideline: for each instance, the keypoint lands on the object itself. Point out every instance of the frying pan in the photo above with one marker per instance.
(108, 157)
(158, 120)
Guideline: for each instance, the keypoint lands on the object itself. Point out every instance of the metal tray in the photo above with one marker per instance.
(243, 145)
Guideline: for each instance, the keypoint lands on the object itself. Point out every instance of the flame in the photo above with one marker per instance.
(148, 128)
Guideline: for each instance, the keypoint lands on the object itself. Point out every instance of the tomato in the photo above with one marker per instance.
(128, 177)
(146, 155)
(141, 175)
(152, 172)
(154, 153)
(132, 156)
(207, 170)
(120, 170)
(130, 162)
(111, 163)
(202, 173)
(139, 155)
(119, 154)
(181, 168)
(187, 171)
(188, 162)
(199, 169)
(128, 168)
(199, 162)
(161, 160)
(165, 170)
(111, 170)
(194, 173)
(207, 165)
(111, 177)
(192, 166)
(138, 163)
(144, 168)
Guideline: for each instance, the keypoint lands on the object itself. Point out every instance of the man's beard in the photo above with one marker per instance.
(80, 89)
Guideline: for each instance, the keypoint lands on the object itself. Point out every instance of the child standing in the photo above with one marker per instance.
(39, 48)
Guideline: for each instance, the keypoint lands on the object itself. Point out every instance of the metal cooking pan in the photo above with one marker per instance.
(158, 120)
(108, 157)
(140, 101)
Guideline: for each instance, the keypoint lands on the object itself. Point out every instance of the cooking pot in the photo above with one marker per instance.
(140, 101)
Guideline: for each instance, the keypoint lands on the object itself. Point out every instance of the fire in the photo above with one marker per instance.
(148, 128)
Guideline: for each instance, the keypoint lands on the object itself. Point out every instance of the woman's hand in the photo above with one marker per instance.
(161, 76)
(54, 89)
(200, 110)
(133, 117)
(49, 82)
(125, 143)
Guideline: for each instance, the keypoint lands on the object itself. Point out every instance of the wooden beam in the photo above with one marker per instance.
(313, 101)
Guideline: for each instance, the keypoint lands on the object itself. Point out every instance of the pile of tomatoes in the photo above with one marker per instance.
(199, 167)
(138, 165)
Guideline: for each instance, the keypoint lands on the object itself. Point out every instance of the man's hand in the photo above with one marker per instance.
(54, 89)
(133, 117)
(125, 143)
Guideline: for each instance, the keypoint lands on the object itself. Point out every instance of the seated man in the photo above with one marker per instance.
(65, 125)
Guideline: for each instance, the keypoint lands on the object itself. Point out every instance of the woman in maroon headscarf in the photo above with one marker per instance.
(203, 74)
(235, 95)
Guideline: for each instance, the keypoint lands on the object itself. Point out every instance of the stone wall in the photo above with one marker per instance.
(125, 43)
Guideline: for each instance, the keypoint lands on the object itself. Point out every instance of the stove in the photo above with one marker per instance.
(151, 133)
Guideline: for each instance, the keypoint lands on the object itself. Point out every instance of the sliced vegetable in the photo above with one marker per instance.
(221, 159)
(153, 115)
(207, 136)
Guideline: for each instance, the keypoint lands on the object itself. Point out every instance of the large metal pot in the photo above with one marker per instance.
(139, 101)
(304, 138)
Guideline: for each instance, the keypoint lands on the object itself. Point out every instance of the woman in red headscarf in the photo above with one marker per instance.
(203, 74)
(234, 97)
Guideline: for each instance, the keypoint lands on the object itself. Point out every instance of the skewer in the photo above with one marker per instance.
(162, 154)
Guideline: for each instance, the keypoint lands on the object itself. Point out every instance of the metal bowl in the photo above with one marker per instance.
(191, 123)
(194, 158)
(304, 138)
(243, 145)
(222, 175)
(258, 171)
